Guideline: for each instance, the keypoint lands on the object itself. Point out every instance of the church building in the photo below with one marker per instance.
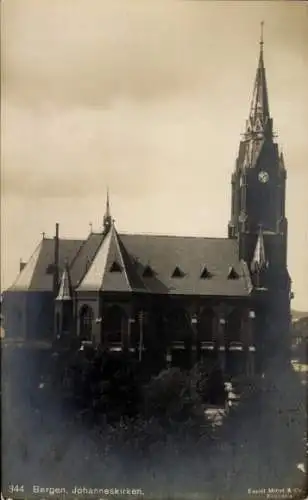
(174, 299)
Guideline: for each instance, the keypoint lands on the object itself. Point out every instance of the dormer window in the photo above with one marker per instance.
(177, 273)
(148, 272)
(115, 267)
(205, 273)
(232, 275)
(50, 269)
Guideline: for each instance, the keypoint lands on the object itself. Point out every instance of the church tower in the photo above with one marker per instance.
(258, 220)
(259, 183)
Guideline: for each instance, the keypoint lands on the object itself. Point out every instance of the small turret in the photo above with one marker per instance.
(64, 304)
(65, 289)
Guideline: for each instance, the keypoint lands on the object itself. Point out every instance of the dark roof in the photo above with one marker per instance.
(190, 254)
(90, 261)
(84, 257)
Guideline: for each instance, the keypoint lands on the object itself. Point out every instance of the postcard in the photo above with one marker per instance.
(154, 222)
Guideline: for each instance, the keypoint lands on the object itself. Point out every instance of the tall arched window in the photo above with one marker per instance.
(178, 325)
(66, 320)
(234, 326)
(86, 322)
(57, 323)
(114, 323)
(205, 326)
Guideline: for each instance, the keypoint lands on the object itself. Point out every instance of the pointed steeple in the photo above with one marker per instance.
(259, 261)
(107, 217)
(65, 289)
(259, 122)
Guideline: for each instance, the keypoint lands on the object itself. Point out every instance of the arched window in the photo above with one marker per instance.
(86, 321)
(114, 323)
(66, 320)
(205, 326)
(234, 326)
(57, 323)
(178, 325)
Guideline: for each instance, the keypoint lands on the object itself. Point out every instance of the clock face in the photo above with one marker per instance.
(263, 177)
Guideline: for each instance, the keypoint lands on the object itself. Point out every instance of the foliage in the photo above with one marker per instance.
(113, 392)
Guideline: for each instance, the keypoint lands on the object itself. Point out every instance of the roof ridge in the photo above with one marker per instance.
(92, 260)
(130, 265)
(118, 241)
(79, 250)
(46, 238)
(123, 233)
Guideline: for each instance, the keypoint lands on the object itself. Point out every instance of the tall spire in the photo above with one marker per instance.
(259, 115)
(107, 217)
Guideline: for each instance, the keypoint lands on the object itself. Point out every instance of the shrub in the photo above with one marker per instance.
(172, 396)
(209, 382)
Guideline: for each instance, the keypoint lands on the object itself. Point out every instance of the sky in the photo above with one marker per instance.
(149, 98)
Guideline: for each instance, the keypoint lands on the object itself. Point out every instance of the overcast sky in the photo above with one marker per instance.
(149, 97)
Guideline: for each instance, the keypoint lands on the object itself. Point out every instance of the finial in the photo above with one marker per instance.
(91, 227)
(43, 235)
(261, 37)
(107, 216)
(107, 203)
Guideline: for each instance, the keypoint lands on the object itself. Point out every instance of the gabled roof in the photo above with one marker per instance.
(111, 268)
(35, 275)
(89, 264)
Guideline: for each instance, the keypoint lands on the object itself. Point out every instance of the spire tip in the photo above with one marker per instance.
(107, 216)
(261, 36)
(107, 202)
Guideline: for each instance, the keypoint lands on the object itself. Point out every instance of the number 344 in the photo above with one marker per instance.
(16, 488)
